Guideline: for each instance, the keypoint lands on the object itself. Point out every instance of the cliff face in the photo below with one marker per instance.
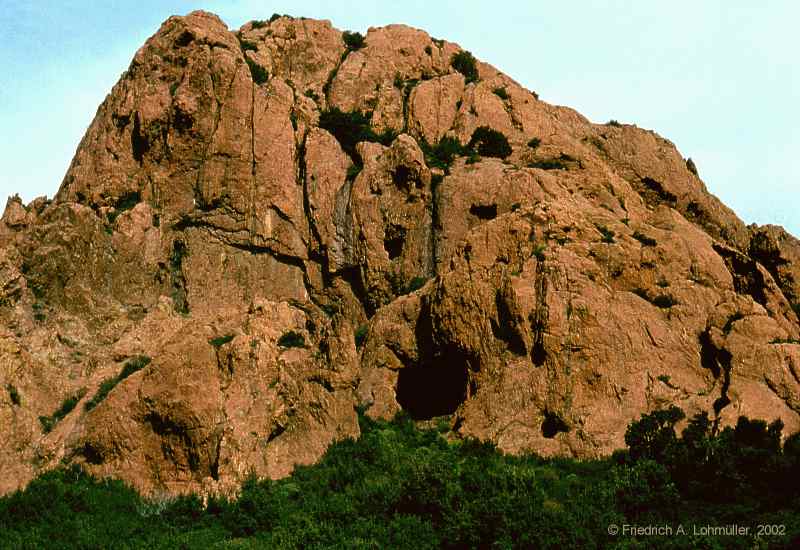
(215, 253)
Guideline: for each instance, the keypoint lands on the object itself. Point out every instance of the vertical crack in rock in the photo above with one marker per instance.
(436, 223)
(718, 361)
(139, 142)
(178, 280)
(539, 315)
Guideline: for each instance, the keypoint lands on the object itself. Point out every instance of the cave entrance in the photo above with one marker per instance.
(435, 389)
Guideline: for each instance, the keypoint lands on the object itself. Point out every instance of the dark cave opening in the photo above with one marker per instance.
(553, 425)
(484, 212)
(394, 240)
(435, 389)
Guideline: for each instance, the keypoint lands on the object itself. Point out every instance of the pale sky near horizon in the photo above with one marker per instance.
(719, 79)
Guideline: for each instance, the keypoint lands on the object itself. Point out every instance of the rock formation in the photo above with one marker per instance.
(223, 277)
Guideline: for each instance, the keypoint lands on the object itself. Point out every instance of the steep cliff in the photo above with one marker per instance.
(265, 229)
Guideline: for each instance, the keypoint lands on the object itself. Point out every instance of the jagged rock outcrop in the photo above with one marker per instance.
(222, 279)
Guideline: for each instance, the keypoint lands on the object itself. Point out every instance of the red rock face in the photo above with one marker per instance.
(542, 301)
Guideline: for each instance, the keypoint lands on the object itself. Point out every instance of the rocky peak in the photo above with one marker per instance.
(263, 230)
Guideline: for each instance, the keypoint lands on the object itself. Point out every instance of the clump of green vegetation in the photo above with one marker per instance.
(134, 365)
(123, 204)
(690, 165)
(413, 285)
(548, 164)
(361, 335)
(607, 235)
(489, 143)
(614, 123)
(248, 45)
(292, 339)
(644, 239)
(501, 93)
(351, 128)
(38, 312)
(259, 73)
(534, 142)
(276, 16)
(48, 422)
(664, 301)
(353, 40)
(443, 153)
(539, 250)
(13, 394)
(220, 341)
(465, 63)
(398, 81)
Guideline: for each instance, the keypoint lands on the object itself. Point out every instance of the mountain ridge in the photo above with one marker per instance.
(223, 218)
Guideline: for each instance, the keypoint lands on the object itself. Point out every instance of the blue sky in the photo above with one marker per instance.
(719, 79)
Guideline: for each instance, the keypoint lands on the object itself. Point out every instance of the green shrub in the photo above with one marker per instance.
(13, 394)
(38, 312)
(353, 40)
(501, 93)
(292, 339)
(247, 45)
(613, 122)
(259, 73)
(133, 365)
(123, 204)
(664, 301)
(465, 63)
(414, 284)
(276, 16)
(690, 165)
(361, 335)
(534, 142)
(351, 128)
(607, 235)
(220, 341)
(489, 143)
(548, 164)
(443, 153)
(644, 239)
(48, 422)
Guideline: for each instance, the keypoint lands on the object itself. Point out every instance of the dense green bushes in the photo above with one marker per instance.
(351, 128)
(49, 422)
(400, 487)
(465, 63)
(488, 142)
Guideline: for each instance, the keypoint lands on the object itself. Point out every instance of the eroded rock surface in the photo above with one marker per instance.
(266, 279)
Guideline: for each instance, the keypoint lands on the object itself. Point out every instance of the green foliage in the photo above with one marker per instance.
(134, 365)
(276, 16)
(644, 239)
(489, 143)
(292, 339)
(401, 487)
(123, 204)
(353, 40)
(443, 153)
(38, 312)
(614, 123)
(690, 165)
(220, 341)
(351, 128)
(361, 335)
(664, 301)
(259, 73)
(501, 93)
(13, 394)
(413, 285)
(49, 422)
(247, 45)
(465, 63)
(548, 164)
(534, 142)
(607, 235)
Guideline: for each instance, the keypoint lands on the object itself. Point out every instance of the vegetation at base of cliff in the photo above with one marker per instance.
(401, 487)
(134, 365)
(49, 422)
